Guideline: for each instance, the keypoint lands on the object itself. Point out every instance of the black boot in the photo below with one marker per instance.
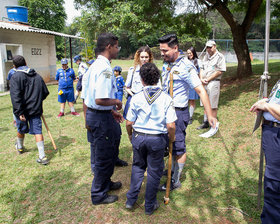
(204, 125)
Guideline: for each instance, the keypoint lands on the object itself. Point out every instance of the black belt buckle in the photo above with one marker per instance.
(271, 123)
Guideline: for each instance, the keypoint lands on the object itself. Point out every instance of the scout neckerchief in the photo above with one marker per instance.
(170, 66)
(151, 94)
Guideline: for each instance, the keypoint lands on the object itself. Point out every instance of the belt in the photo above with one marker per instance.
(271, 123)
(99, 111)
(181, 108)
(144, 134)
(218, 80)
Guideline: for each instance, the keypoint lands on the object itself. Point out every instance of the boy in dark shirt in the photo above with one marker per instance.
(28, 90)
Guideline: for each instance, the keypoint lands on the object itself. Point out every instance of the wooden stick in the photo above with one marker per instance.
(168, 183)
(49, 133)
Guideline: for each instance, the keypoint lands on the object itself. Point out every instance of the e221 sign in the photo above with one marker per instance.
(36, 51)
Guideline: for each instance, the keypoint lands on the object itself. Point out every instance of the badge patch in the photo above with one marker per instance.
(278, 94)
(176, 72)
(107, 75)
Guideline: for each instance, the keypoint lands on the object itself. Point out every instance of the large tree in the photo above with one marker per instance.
(239, 25)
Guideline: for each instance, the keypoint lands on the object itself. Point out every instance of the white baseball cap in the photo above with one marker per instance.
(210, 43)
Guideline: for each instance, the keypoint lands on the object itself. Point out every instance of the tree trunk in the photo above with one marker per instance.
(241, 49)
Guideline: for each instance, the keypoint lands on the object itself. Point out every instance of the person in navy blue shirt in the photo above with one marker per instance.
(65, 77)
(271, 146)
(120, 82)
(150, 119)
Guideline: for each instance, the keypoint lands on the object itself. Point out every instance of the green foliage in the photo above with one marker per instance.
(49, 15)
(137, 23)
(46, 14)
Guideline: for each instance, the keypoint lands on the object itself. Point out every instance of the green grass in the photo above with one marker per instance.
(221, 173)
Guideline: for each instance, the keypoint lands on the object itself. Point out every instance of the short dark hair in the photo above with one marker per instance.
(18, 61)
(104, 40)
(149, 73)
(170, 39)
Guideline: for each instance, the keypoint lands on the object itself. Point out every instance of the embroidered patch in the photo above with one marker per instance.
(278, 94)
(151, 94)
(107, 74)
(192, 70)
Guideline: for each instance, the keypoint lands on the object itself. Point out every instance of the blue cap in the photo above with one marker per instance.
(77, 57)
(90, 62)
(117, 68)
(64, 61)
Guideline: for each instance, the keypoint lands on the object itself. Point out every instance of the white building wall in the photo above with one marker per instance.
(38, 50)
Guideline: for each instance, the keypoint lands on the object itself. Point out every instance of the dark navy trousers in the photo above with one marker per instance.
(183, 117)
(271, 147)
(103, 136)
(148, 152)
(117, 144)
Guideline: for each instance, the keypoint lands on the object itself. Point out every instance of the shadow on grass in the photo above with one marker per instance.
(232, 88)
(236, 202)
(61, 143)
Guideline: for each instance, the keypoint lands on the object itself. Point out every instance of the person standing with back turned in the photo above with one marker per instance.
(151, 116)
(100, 119)
(28, 90)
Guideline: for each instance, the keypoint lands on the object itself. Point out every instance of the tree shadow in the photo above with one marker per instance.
(231, 88)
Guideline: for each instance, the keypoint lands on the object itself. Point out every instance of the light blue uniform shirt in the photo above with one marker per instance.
(82, 69)
(99, 83)
(274, 98)
(133, 80)
(85, 84)
(151, 112)
(185, 77)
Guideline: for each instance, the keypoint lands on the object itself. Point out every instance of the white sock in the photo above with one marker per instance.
(191, 110)
(20, 142)
(205, 118)
(72, 109)
(61, 110)
(179, 172)
(173, 163)
(41, 149)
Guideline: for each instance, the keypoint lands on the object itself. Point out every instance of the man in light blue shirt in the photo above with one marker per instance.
(103, 130)
(185, 76)
(271, 147)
